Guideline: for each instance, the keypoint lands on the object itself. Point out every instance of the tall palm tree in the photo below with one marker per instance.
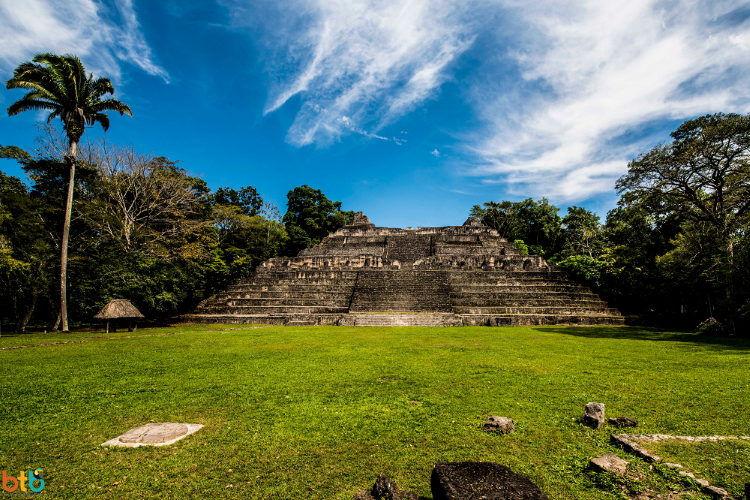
(59, 84)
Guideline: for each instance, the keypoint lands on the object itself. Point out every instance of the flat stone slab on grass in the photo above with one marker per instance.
(154, 434)
(609, 463)
(481, 480)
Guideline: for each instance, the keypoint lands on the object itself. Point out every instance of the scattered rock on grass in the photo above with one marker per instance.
(502, 425)
(385, 489)
(481, 480)
(154, 434)
(717, 493)
(609, 463)
(623, 422)
(593, 415)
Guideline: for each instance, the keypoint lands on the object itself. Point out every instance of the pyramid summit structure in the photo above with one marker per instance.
(363, 275)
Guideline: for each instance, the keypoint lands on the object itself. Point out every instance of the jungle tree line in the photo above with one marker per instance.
(677, 243)
(141, 228)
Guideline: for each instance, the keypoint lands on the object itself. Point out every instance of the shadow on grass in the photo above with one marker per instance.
(653, 334)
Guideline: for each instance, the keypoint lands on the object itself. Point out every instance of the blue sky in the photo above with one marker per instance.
(409, 110)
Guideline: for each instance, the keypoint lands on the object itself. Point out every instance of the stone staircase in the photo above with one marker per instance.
(404, 291)
(363, 275)
(526, 298)
(281, 297)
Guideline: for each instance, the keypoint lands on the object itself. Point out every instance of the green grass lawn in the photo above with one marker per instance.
(318, 412)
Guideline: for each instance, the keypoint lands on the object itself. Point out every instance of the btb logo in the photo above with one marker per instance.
(34, 480)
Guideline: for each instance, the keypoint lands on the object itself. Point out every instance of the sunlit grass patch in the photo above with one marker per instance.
(318, 412)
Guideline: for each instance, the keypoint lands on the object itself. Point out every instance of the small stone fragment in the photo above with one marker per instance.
(385, 489)
(363, 495)
(481, 480)
(609, 463)
(717, 493)
(593, 415)
(673, 466)
(623, 422)
(502, 425)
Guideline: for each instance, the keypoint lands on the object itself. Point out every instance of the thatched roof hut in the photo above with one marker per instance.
(119, 309)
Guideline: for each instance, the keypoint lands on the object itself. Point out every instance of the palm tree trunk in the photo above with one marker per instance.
(66, 233)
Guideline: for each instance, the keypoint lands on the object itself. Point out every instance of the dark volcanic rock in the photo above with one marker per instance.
(593, 415)
(481, 481)
(502, 425)
(385, 489)
(623, 422)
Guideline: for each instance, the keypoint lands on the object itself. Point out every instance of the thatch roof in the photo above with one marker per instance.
(119, 309)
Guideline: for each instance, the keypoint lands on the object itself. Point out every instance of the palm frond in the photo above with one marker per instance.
(51, 73)
(112, 105)
(101, 86)
(102, 118)
(25, 104)
(54, 114)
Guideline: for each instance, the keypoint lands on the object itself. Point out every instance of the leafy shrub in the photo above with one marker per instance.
(712, 328)
(521, 246)
(585, 268)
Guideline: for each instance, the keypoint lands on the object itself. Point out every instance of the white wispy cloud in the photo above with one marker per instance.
(608, 69)
(369, 60)
(435, 153)
(86, 28)
(571, 77)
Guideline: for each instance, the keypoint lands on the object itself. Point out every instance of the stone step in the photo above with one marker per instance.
(245, 310)
(401, 307)
(534, 310)
(485, 301)
(268, 319)
(539, 320)
(519, 293)
(380, 319)
(510, 287)
(284, 287)
(293, 282)
(339, 301)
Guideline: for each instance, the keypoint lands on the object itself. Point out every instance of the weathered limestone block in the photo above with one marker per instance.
(609, 463)
(502, 425)
(481, 480)
(593, 415)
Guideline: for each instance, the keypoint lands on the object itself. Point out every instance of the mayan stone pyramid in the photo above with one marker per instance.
(363, 275)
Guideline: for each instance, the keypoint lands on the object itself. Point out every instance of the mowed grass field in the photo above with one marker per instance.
(319, 412)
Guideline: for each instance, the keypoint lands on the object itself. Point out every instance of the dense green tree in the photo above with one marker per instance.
(310, 217)
(536, 223)
(246, 199)
(581, 233)
(59, 84)
(27, 255)
(704, 175)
